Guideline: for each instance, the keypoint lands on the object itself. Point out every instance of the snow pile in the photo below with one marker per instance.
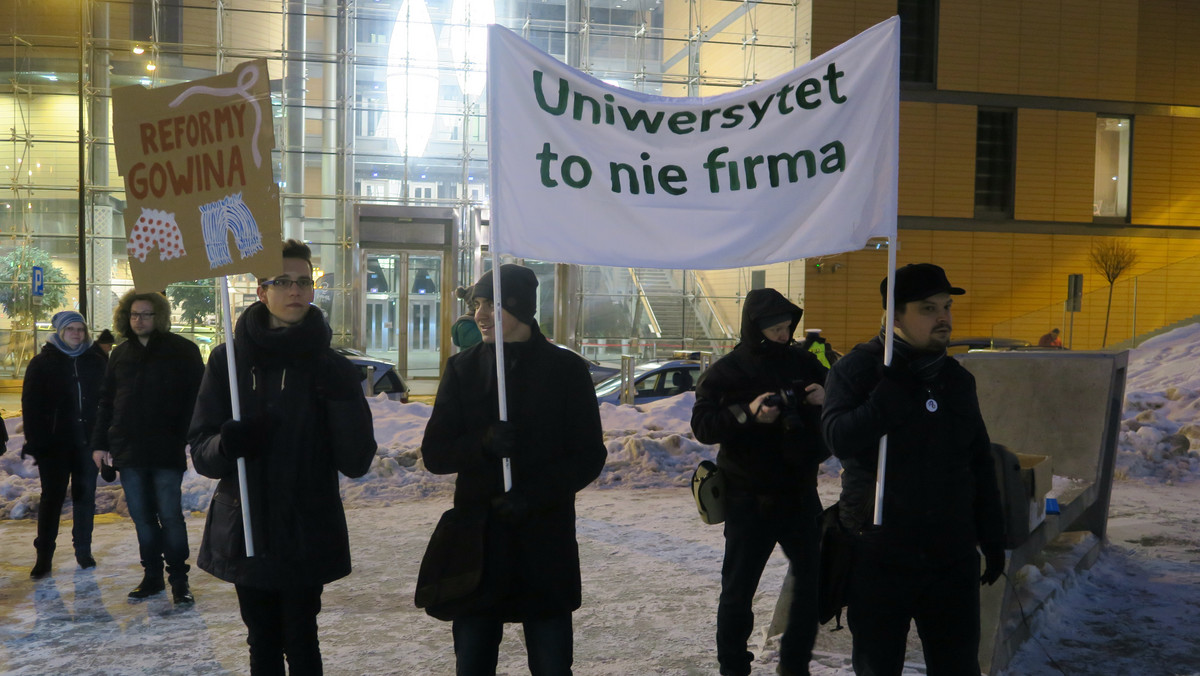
(1160, 430)
(649, 446)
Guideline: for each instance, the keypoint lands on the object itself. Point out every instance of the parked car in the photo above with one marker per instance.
(387, 380)
(652, 381)
(597, 370)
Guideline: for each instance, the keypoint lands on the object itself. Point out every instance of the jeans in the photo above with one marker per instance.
(548, 642)
(78, 469)
(753, 526)
(282, 622)
(884, 595)
(156, 507)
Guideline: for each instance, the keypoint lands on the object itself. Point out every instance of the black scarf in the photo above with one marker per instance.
(925, 364)
(260, 345)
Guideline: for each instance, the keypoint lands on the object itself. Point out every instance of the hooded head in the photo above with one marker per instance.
(763, 309)
(518, 286)
(162, 312)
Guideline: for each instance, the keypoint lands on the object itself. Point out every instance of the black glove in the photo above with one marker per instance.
(108, 472)
(31, 451)
(241, 439)
(500, 440)
(511, 507)
(994, 566)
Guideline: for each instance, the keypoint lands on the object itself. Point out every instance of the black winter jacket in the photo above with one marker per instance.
(560, 450)
(58, 400)
(774, 459)
(314, 422)
(940, 494)
(146, 402)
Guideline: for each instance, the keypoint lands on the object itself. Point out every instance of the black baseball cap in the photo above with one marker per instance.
(917, 281)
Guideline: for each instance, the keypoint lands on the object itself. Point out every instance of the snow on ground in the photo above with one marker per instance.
(651, 569)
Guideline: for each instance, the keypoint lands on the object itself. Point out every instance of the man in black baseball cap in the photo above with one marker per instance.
(922, 563)
(916, 281)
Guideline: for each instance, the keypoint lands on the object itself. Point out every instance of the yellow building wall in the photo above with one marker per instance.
(1016, 285)
(937, 160)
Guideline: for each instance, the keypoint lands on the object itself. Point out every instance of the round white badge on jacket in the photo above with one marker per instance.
(931, 405)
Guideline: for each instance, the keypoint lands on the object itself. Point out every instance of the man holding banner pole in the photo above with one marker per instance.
(304, 420)
(920, 561)
(523, 438)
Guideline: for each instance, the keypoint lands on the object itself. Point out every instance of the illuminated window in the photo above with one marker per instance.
(1111, 199)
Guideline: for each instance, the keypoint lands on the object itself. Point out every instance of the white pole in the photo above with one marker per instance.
(236, 405)
(889, 332)
(498, 330)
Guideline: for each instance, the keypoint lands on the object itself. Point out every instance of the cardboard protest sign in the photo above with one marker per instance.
(202, 198)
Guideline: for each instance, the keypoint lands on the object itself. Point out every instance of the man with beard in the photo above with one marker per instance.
(303, 419)
(762, 404)
(940, 499)
(141, 429)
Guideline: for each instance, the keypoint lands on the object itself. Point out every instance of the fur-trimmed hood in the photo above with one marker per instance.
(162, 312)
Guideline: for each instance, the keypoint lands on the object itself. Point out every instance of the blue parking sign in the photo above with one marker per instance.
(36, 278)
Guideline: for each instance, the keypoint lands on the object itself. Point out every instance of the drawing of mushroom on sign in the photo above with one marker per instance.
(202, 198)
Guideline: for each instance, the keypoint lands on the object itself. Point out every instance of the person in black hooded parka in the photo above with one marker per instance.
(769, 455)
(304, 419)
(555, 443)
(59, 398)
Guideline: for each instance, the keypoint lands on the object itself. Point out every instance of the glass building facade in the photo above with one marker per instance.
(380, 125)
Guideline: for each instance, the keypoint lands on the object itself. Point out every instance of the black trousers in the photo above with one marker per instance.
(76, 468)
(549, 644)
(943, 601)
(753, 526)
(282, 622)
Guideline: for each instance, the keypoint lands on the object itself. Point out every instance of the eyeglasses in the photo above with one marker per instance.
(285, 284)
(141, 315)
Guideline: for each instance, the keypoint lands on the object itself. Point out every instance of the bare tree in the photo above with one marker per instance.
(1111, 258)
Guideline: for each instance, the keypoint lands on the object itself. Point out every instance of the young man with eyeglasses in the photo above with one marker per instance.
(304, 419)
(145, 407)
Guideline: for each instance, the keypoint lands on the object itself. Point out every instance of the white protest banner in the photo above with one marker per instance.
(805, 164)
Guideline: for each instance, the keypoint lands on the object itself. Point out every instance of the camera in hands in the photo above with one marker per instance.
(788, 400)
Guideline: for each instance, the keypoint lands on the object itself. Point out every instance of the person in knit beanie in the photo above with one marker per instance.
(518, 286)
(104, 341)
(553, 442)
(59, 398)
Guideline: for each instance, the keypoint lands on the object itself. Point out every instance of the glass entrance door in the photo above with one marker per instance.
(403, 304)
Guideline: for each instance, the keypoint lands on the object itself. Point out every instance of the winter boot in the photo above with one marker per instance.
(180, 593)
(84, 558)
(151, 584)
(42, 567)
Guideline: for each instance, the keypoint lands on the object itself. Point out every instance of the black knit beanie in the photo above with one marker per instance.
(518, 286)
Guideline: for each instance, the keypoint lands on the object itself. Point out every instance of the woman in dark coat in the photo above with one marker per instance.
(555, 443)
(58, 401)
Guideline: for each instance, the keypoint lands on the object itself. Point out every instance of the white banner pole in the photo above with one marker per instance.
(236, 405)
(889, 333)
(498, 331)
